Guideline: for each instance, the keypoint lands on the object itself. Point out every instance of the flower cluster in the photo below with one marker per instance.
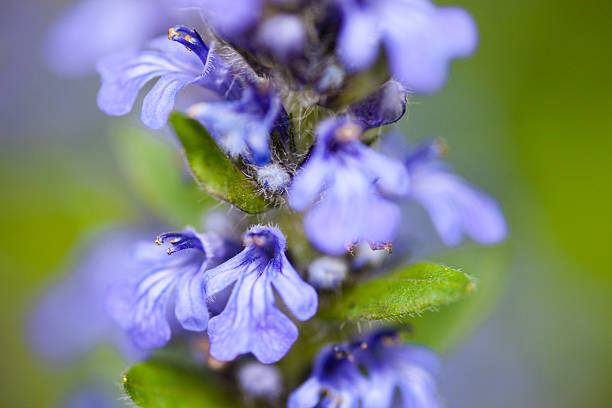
(367, 373)
(295, 94)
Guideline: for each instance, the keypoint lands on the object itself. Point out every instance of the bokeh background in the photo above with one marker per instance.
(528, 119)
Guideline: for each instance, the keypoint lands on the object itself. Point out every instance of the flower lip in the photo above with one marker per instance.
(191, 39)
(264, 240)
(179, 242)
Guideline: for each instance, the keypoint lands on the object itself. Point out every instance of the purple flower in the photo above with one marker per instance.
(70, 319)
(327, 272)
(352, 178)
(385, 106)
(124, 75)
(242, 127)
(367, 373)
(251, 322)
(454, 206)
(283, 36)
(260, 381)
(419, 38)
(140, 304)
(230, 18)
(92, 29)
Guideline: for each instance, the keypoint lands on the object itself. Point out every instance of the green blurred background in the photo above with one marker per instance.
(528, 119)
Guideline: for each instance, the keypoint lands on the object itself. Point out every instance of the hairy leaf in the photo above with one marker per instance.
(213, 170)
(405, 292)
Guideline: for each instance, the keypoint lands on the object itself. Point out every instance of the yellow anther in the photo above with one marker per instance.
(174, 241)
(158, 242)
(168, 251)
(188, 38)
(364, 345)
(172, 34)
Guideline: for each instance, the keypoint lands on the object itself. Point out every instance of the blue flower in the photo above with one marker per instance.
(124, 75)
(419, 38)
(176, 275)
(454, 206)
(250, 321)
(283, 36)
(367, 373)
(70, 319)
(327, 272)
(242, 127)
(230, 18)
(352, 178)
(260, 381)
(92, 29)
(383, 107)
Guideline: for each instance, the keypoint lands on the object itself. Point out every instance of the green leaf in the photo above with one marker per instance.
(213, 169)
(403, 293)
(161, 385)
(444, 329)
(156, 172)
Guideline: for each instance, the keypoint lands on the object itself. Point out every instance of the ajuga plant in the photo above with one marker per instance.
(302, 291)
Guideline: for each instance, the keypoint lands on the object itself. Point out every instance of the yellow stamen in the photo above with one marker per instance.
(172, 33)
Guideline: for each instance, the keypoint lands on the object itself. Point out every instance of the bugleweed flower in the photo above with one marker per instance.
(367, 373)
(101, 24)
(383, 107)
(242, 127)
(260, 381)
(174, 276)
(230, 18)
(327, 272)
(124, 75)
(70, 319)
(251, 322)
(455, 207)
(283, 36)
(419, 38)
(352, 178)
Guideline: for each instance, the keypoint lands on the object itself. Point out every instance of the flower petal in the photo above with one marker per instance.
(158, 103)
(251, 323)
(358, 38)
(456, 208)
(306, 395)
(383, 107)
(228, 272)
(190, 308)
(390, 175)
(421, 41)
(147, 325)
(349, 213)
(300, 297)
(308, 183)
